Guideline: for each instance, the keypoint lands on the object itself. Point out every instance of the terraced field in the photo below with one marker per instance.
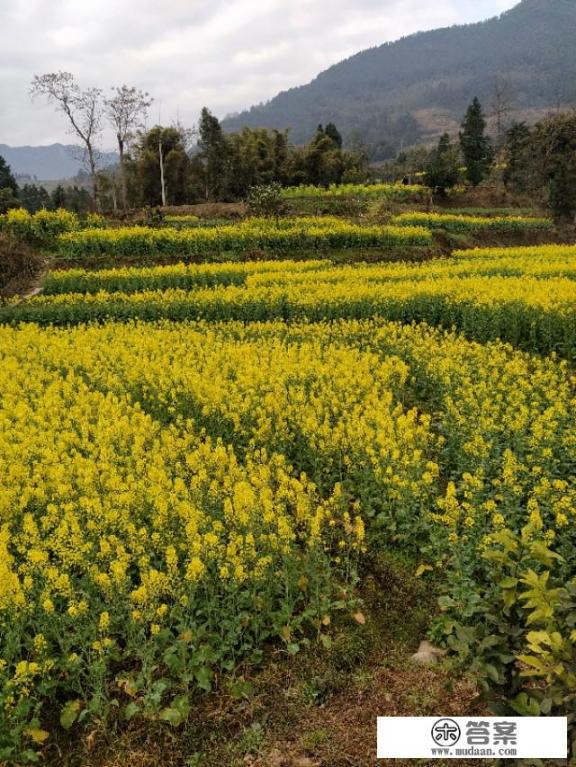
(197, 462)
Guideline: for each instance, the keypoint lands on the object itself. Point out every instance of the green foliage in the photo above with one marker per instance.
(516, 172)
(256, 158)
(8, 188)
(323, 160)
(333, 133)
(74, 198)
(518, 630)
(7, 200)
(7, 180)
(214, 155)
(266, 201)
(227, 166)
(475, 145)
(541, 162)
(147, 166)
(34, 198)
(442, 168)
(555, 141)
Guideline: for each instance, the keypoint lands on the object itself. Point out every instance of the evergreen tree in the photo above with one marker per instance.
(475, 145)
(58, 197)
(333, 133)
(280, 156)
(324, 161)
(7, 180)
(517, 171)
(441, 171)
(78, 199)
(552, 155)
(8, 187)
(214, 154)
(34, 198)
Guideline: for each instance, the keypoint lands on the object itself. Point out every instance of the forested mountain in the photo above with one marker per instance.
(54, 162)
(401, 92)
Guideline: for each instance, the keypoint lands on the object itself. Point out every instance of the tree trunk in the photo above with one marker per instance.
(95, 190)
(162, 182)
(114, 196)
(123, 184)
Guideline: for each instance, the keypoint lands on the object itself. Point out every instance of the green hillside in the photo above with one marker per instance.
(401, 92)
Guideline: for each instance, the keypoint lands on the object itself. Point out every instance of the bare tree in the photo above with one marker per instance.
(502, 105)
(126, 112)
(83, 108)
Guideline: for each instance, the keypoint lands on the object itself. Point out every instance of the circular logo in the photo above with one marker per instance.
(446, 732)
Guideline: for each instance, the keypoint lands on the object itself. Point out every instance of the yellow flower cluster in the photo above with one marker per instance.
(523, 253)
(540, 261)
(182, 219)
(175, 494)
(533, 314)
(362, 191)
(133, 279)
(43, 226)
(283, 236)
(463, 223)
(170, 486)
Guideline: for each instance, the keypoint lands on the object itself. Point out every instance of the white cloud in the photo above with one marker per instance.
(226, 54)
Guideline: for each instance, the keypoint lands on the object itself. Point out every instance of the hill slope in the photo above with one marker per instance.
(422, 83)
(54, 162)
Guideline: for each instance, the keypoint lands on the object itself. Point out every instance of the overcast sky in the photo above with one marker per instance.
(226, 54)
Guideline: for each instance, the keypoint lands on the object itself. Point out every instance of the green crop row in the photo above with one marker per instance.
(530, 313)
(453, 223)
(287, 236)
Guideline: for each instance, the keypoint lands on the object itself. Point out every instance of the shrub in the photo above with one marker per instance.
(266, 200)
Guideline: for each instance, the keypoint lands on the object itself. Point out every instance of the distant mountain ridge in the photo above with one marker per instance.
(419, 85)
(50, 163)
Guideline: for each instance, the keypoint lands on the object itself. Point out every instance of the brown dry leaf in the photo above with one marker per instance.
(359, 618)
(91, 740)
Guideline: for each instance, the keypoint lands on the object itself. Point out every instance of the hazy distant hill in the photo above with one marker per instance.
(56, 161)
(421, 84)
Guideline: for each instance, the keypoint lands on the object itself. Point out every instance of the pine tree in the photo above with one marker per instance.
(475, 145)
(333, 133)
